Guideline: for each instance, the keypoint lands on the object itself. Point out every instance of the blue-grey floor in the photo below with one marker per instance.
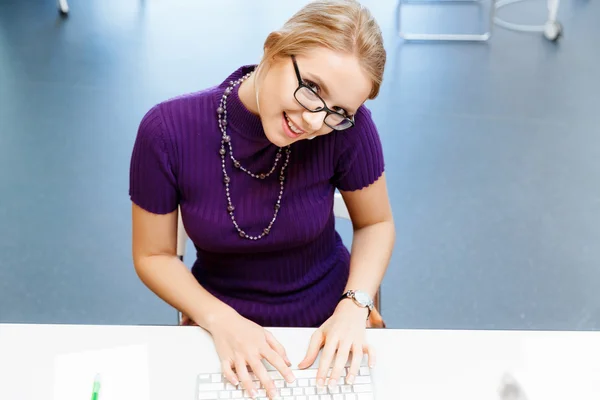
(493, 157)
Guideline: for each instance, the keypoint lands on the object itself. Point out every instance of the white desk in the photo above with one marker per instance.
(411, 364)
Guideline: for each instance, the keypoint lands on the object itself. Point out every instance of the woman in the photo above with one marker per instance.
(253, 164)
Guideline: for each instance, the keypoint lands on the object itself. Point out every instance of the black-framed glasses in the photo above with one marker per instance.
(311, 101)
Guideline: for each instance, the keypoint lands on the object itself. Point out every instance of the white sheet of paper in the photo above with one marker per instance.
(124, 374)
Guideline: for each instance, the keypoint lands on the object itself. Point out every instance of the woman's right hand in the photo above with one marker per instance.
(241, 343)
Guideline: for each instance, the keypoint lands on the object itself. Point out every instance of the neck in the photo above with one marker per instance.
(247, 94)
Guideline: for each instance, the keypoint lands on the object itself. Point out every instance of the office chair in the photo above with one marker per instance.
(340, 211)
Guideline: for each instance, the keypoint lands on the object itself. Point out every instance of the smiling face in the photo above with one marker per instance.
(337, 78)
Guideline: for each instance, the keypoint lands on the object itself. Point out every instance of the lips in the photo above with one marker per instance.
(295, 129)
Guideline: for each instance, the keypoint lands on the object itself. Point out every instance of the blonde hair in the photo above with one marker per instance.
(339, 25)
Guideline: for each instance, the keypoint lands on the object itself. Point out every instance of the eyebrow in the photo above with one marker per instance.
(320, 82)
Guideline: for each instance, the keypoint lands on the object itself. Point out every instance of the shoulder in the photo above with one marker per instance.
(363, 133)
(358, 153)
(191, 110)
(187, 109)
(172, 120)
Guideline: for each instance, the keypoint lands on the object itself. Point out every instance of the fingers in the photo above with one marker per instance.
(277, 347)
(339, 363)
(263, 376)
(357, 356)
(371, 354)
(276, 361)
(326, 359)
(244, 377)
(228, 372)
(316, 341)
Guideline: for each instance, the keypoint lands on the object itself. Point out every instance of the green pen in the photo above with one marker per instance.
(96, 389)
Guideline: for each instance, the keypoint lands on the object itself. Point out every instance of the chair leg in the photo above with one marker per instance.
(377, 300)
(375, 319)
(63, 7)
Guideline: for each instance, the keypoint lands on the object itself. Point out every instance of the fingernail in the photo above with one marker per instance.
(350, 379)
(290, 378)
(272, 393)
(320, 382)
(332, 383)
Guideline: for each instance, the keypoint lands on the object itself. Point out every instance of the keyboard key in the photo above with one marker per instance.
(214, 386)
(291, 384)
(305, 373)
(362, 388)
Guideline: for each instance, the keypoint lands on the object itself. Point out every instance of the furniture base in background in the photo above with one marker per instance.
(63, 7)
(552, 29)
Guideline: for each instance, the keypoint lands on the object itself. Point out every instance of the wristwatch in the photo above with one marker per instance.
(360, 298)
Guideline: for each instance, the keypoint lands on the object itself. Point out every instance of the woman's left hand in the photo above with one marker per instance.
(343, 333)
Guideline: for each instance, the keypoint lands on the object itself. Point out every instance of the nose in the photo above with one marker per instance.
(314, 120)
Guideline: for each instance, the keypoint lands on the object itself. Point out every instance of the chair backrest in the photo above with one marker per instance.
(339, 210)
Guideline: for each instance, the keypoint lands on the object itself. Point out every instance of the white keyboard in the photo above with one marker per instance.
(213, 386)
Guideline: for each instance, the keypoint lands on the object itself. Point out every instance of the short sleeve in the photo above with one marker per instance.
(359, 154)
(152, 182)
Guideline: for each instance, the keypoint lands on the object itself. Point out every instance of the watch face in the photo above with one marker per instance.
(362, 298)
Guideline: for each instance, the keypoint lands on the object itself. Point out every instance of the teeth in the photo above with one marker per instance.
(292, 126)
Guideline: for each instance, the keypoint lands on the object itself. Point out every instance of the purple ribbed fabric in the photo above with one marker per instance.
(296, 274)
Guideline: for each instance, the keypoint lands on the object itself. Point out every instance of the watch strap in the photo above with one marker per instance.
(350, 295)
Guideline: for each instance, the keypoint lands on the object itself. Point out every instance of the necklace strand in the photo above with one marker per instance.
(226, 144)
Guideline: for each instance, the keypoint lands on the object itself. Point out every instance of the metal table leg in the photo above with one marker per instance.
(552, 29)
(477, 37)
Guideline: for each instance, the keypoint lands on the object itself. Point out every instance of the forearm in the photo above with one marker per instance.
(371, 252)
(171, 280)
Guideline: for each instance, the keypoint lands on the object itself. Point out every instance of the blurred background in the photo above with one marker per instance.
(492, 155)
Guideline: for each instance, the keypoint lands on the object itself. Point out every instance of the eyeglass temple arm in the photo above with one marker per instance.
(297, 70)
